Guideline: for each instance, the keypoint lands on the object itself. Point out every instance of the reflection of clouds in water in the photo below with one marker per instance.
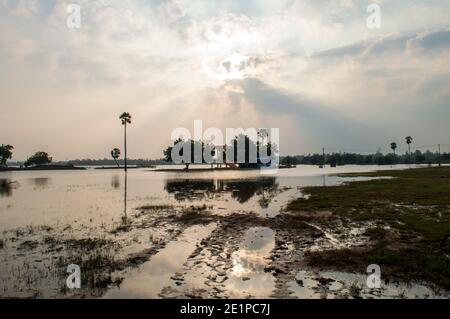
(247, 276)
(258, 238)
(250, 259)
(245, 263)
(259, 285)
(154, 275)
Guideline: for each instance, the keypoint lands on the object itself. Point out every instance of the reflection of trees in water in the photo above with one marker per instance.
(6, 187)
(241, 190)
(41, 181)
(115, 181)
(124, 218)
(191, 189)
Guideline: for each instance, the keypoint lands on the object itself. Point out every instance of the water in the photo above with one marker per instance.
(247, 276)
(148, 280)
(97, 196)
(43, 213)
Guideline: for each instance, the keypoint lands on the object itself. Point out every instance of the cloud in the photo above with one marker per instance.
(308, 66)
(430, 41)
(21, 8)
(314, 120)
(391, 44)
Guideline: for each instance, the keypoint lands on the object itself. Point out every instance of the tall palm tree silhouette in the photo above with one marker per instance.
(126, 119)
(115, 154)
(409, 140)
(394, 147)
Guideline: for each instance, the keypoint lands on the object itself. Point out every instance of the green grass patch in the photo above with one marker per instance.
(415, 204)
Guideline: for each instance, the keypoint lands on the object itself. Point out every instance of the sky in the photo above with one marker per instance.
(311, 68)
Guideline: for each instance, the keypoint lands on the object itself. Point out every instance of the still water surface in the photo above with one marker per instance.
(98, 196)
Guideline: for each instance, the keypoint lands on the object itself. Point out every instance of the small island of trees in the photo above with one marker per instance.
(241, 152)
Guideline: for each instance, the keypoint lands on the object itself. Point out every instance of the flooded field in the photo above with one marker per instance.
(147, 234)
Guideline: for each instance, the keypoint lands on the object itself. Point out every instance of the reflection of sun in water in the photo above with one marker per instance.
(247, 262)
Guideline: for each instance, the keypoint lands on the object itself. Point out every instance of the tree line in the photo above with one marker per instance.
(378, 158)
(38, 158)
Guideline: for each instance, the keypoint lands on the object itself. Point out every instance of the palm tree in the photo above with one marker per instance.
(394, 146)
(125, 118)
(115, 154)
(409, 140)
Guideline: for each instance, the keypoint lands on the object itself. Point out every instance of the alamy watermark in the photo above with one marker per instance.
(374, 18)
(73, 281)
(73, 20)
(247, 148)
(374, 278)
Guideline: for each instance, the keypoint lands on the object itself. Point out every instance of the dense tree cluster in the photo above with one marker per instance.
(39, 158)
(241, 150)
(416, 157)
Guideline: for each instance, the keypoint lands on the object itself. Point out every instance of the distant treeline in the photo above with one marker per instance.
(103, 162)
(416, 157)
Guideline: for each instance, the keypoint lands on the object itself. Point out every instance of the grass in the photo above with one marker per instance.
(355, 290)
(414, 204)
(425, 186)
(96, 259)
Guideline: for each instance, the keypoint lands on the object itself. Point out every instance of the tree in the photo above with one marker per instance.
(5, 154)
(240, 145)
(243, 145)
(289, 161)
(168, 151)
(125, 119)
(185, 145)
(263, 133)
(419, 157)
(409, 140)
(393, 146)
(39, 158)
(115, 154)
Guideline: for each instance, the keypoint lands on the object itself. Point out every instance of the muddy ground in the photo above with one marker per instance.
(200, 254)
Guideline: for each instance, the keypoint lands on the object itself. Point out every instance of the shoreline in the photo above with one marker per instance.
(42, 168)
(196, 170)
(120, 168)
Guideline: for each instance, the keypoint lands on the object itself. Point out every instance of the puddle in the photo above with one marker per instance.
(247, 277)
(333, 285)
(304, 287)
(151, 277)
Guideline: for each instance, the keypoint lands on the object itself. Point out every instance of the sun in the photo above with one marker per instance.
(233, 67)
